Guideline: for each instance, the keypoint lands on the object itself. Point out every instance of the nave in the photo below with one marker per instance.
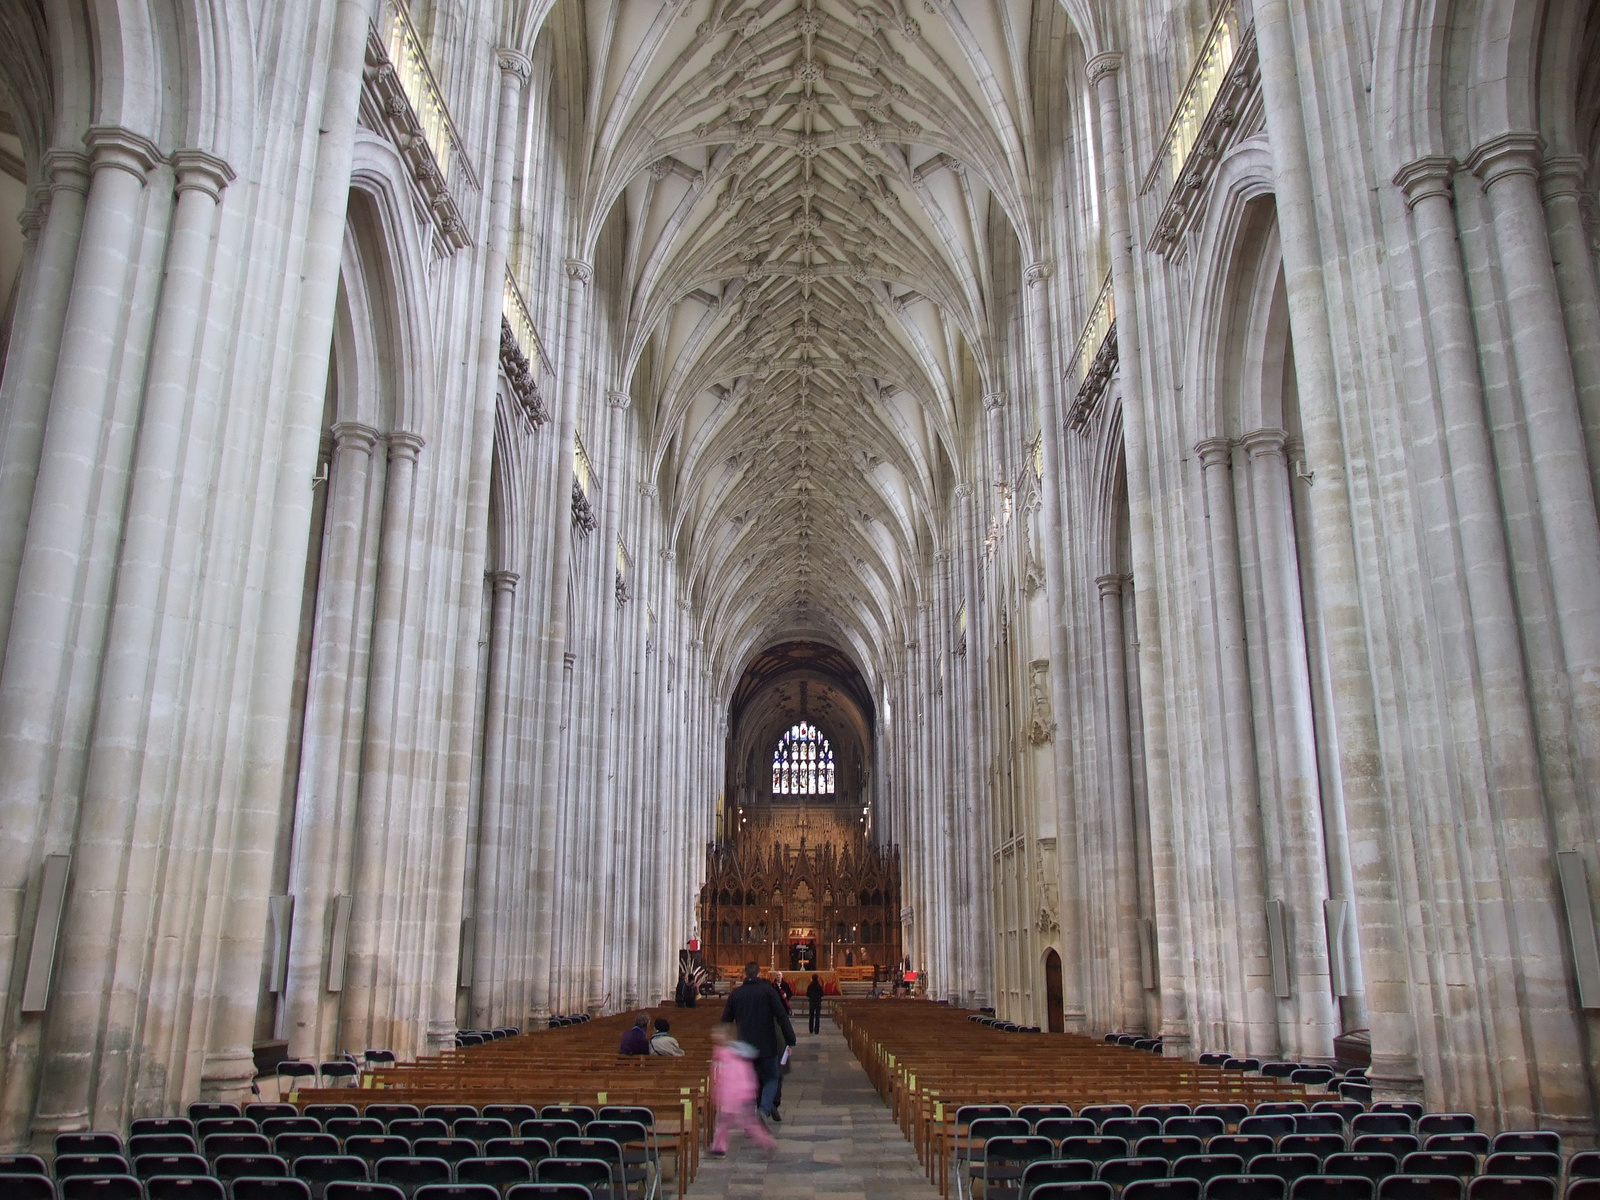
(1087, 509)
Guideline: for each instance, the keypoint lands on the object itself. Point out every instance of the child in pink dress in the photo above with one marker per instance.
(733, 1091)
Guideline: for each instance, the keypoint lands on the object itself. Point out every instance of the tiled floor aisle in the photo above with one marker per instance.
(836, 1140)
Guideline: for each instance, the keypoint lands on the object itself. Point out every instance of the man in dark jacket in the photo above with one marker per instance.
(814, 994)
(758, 1010)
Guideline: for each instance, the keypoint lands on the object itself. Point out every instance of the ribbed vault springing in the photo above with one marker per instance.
(808, 194)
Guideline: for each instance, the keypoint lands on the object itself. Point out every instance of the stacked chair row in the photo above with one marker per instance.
(988, 1021)
(271, 1153)
(1037, 1150)
(477, 1037)
(1135, 1041)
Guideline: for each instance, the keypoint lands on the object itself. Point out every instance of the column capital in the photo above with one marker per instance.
(1564, 175)
(514, 63)
(647, 490)
(122, 149)
(1112, 585)
(963, 491)
(67, 170)
(1506, 156)
(1036, 272)
(201, 172)
(1101, 65)
(618, 400)
(405, 445)
(667, 555)
(579, 270)
(1259, 443)
(993, 402)
(32, 220)
(503, 581)
(1214, 451)
(353, 435)
(1426, 177)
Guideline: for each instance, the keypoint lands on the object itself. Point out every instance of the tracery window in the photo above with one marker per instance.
(802, 765)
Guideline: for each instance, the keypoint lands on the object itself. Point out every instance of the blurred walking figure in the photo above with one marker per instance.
(733, 1090)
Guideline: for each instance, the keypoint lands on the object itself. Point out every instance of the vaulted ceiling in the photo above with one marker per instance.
(806, 197)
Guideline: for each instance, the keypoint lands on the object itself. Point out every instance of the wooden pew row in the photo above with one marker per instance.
(929, 1060)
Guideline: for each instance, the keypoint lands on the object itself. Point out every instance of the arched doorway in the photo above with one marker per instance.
(1057, 1021)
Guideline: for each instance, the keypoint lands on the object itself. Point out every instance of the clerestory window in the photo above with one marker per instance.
(802, 765)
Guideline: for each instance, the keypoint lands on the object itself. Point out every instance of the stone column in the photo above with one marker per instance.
(367, 1014)
(1368, 802)
(1294, 737)
(514, 69)
(1103, 71)
(109, 921)
(1509, 168)
(495, 873)
(30, 366)
(1564, 187)
(1115, 691)
(38, 793)
(1243, 800)
(1062, 814)
(296, 426)
(319, 857)
(554, 644)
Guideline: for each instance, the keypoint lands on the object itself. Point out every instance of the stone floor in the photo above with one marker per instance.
(836, 1140)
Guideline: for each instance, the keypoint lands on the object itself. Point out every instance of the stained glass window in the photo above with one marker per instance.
(802, 765)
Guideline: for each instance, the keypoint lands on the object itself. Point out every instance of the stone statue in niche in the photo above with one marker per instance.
(1045, 885)
(1042, 725)
(1033, 563)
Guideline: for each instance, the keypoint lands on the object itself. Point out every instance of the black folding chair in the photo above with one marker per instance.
(30, 1187)
(450, 1113)
(1205, 1167)
(1057, 1129)
(1231, 1114)
(1194, 1126)
(481, 1129)
(141, 1126)
(1319, 1144)
(1431, 1123)
(203, 1110)
(319, 1172)
(1005, 1159)
(184, 1187)
(363, 1191)
(1585, 1164)
(219, 1145)
(141, 1144)
(1397, 1144)
(1586, 1188)
(452, 1150)
(457, 1191)
(271, 1189)
(1328, 1123)
(1162, 1189)
(1169, 1148)
(1245, 1145)
(1095, 1149)
(516, 1113)
(591, 1173)
(170, 1166)
(1055, 1170)
(1368, 1166)
(529, 1150)
(22, 1164)
(1475, 1144)
(413, 1128)
(1527, 1141)
(1280, 1108)
(294, 1071)
(1380, 1122)
(1510, 1187)
(581, 1113)
(549, 1191)
(1539, 1164)
(1332, 1187)
(550, 1129)
(1120, 1172)
(339, 1069)
(1268, 1125)
(1245, 1187)
(392, 1112)
(87, 1143)
(1130, 1128)
(409, 1173)
(209, 1126)
(228, 1167)
(1410, 1108)
(273, 1126)
(71, 1165)
(1091, 1190)
(1312, 1077)
(1419, 1187)
(1440, 1162)
(1101, 1113)
(372, 1150)
(640, 1167)
(1034, 1113)
(100, 1187)
(348, 1127)
(328, 1112)
(499, 1173)
(1164, 1112)
(1287, 1167)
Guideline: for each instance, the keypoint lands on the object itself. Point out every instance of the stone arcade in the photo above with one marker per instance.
(1170, 427)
